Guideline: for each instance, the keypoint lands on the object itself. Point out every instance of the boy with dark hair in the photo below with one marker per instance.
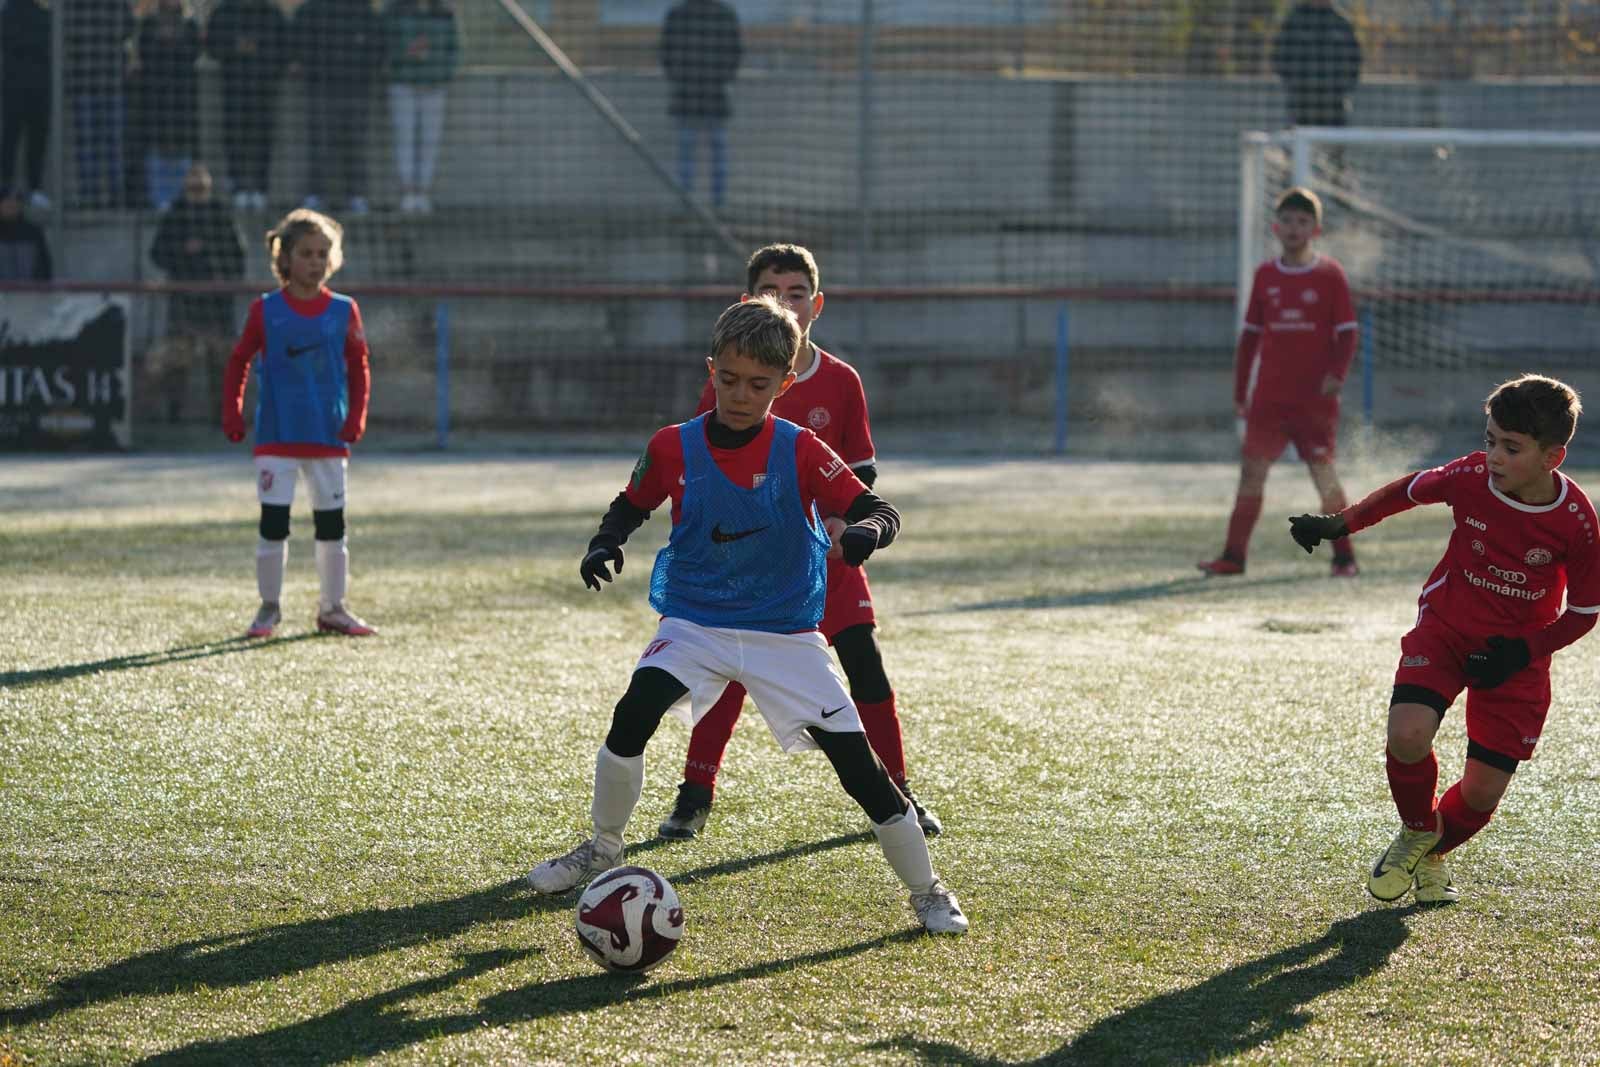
(826, 398)
(1294, 351)
(740, 588)
(1488, 622)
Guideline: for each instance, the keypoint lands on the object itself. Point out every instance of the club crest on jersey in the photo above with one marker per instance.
(1477, 546)
(818, 417)
(1308, 296)
(1537, 557)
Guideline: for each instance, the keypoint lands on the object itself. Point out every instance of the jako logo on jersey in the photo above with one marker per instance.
(1475, 524)
(818, 417)
(1516, 577)
(1477, 546)
(1537, 557)
(834, 469)
(655, 646)
(1308, 296)
(1414, 661)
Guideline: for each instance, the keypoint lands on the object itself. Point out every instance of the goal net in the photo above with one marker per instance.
(1473, 254)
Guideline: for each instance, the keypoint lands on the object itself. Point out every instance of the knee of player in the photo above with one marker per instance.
(329, 524)
(274, 524)
(1409, 741)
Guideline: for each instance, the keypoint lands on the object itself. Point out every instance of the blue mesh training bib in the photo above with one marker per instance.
(745, 559)
(302, 395)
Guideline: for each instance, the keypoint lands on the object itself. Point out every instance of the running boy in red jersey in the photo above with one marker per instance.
(740, 587)
(1490, 617)
(1298, 339)
(311, 406)
(827, 399)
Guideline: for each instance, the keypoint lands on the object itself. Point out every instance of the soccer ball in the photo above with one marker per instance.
(629, 919)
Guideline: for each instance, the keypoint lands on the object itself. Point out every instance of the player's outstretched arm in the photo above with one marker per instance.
(1309, 531)
(593, 568)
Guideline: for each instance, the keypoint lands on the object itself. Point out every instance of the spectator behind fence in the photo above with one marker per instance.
(196, 241)
(700, 50)
(248, 38)
(98, 35)
(166, 98)
(1318, 58)
(25, 93)
(423, 53)
(24, 254)
(339, 46)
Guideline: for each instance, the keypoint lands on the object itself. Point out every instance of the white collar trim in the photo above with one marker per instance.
(1534, 509)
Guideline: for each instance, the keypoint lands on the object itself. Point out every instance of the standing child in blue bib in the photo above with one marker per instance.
(312, 384)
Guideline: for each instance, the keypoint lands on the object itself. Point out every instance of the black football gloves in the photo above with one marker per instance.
(1309, 531)
(1503, 657)
(593, 567)
(857, 543)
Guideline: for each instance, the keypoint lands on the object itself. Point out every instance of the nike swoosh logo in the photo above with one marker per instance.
(302, 349)
(721, 537)
(835, 711)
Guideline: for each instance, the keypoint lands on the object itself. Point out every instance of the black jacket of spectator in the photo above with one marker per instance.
(219, 257)
(25, 46)
(95, 38)
(338, 41)
(167, 84)
(249, 38)
(1319, 59)
(24, 255)
(700, 51)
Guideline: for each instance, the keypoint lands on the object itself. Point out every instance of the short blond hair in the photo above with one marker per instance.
(760, 328)
(298, 223)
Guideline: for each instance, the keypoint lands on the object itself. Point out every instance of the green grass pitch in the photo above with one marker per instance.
(1161, 793)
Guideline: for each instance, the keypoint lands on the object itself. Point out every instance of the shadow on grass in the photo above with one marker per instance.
(378, 1024)
(1236, 1011)
(1089, 598)
(279, 951)
(136, 660)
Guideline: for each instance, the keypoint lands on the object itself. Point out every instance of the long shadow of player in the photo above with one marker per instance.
(278, 951)
(1090, 598)
(378, 1024)
(135, 660)
(1240, 1009)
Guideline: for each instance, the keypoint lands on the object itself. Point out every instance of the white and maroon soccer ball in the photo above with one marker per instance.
(629, 919)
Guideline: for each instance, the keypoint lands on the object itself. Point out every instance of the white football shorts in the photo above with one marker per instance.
(276, 475)
(791, 677)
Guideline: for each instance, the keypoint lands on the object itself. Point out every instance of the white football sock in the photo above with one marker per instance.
(333, 571)
(271, 556)
(906, 849)
(618, 780)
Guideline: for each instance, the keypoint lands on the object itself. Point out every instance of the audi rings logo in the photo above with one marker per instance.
(1477, 546)
(1537, 557)
(1514, 577)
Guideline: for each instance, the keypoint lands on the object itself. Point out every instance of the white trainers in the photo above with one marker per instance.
(266, 620)
(939, 910)
(578, 866)
(340, 620)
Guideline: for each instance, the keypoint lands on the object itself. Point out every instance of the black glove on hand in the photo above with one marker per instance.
(857, 543)
(1504, 657)
(1309, 531)
(593, 567)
